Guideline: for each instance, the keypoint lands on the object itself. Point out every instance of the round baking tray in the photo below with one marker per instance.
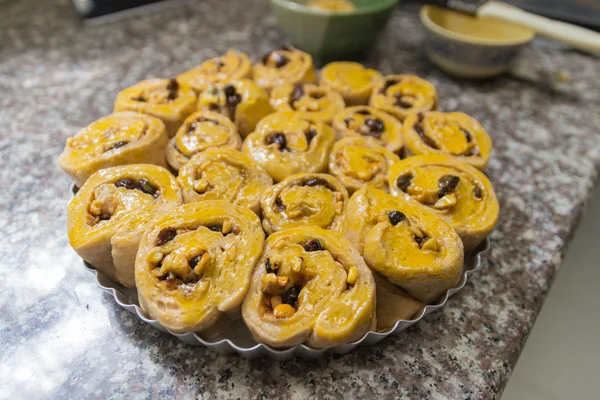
(238, 339)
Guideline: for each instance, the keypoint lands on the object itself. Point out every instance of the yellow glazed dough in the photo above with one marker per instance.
(351, 79)
(363, 121)
(310, 286)
(286, 143)
(223, 174)
(286, 65)
(304, 199)
(232, 65)
(194, 264)
(200, 131)
(317, 103)
(405, 242)
(404, 95)
(455, 134)
(455, 191)
(118, 139)
(242, 101)
(108, 215)
(165, 99)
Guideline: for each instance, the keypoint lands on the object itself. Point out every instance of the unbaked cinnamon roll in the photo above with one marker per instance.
(286, 65)
(363, 121)
(405, 242)
(455, 191)
(455, 134)
(351, 79)
(286, 143)
(310, 286)
(118, 139)
(109, 214)
(194, 264)
(224, 174)
(317, 103)
(358, 161)
(200, 131)
(232, 65)
(165, 99)
(304, 199)
(404, 95)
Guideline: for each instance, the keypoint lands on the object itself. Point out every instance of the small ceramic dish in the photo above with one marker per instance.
(471, 47)
(333, 35)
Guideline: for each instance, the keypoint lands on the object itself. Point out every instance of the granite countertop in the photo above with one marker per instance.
(62, 337)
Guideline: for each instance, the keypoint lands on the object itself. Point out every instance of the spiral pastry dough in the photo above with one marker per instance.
(317, 103)
(371, 123)
(108, 215)
(455, 191)
(286, 143)
(200, 131)
(194, 265)
(286, 65)
(405, 242)
(310, 286)
(164, 99)
(223, 174)
(351, 79)
(357, 162)
(242, 101)
(232, 65)
(455, 134)
(403, 95)
(304, 199)
(118, 139)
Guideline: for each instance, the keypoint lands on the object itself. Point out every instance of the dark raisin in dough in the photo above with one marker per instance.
(126, 183)
(426, 139)
(278, 138)
(447, 184)
(310, 134)
(279, 204)
(172, 87)
(268, 267)
(316, 182)
(313, 245)
(215, 228)
(403, 181)
(363, 112)
(146, 187)
(194, 261)
(376, 125)
(290, 296)
(165, 236)
(478, 193)
(396, 217)
(117, 145)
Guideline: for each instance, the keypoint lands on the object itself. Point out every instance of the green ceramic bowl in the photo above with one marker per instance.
(333, 35)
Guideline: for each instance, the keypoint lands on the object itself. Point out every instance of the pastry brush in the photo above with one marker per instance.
(580, 38)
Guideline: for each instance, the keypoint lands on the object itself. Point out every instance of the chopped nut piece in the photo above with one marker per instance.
(352, 275)
(430, 245)
(96, 207)
(155, 256)
(227, 226)
(201, 185)
(339, 207)
(416, 231)
(270, 284)
(284, 311)
(200, 264)
(339, 196)
(297, 264)
(275, 301)
(282, 281)
(445, 202)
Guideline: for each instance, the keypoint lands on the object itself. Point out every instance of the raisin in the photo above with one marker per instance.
(278, 138)
(389, 83)
(348, 121)
(477, 192)
(376, 125)
(471, 152)
(290, 296)
(229, 90)
(396, 217)
(234, 99)
(280, 60)
(172, 87)
(194, 261)
(426, 139)
(297, 93)
(265, 58)
(165, 236)
(279, 204)
(313, 245)
(316, 182)
(363, 112)
(117, 145)
(215, 228)
(403, 181)
(467, 135)
(317, 95)
(402, 103)
(420, 117)
(220, 64)
(126, 183)
(140, 98)
(310, 134)
(146, 187)
(192, 127)
(447, 184)
(268, 266)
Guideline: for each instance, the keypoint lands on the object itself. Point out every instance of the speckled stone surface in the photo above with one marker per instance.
(62, 337)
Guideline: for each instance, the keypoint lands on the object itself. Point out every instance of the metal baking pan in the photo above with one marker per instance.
(238, 339)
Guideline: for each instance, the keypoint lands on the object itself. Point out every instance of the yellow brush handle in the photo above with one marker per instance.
(580, 38)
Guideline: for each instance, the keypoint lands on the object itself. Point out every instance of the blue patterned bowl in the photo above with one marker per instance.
(471, 47)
